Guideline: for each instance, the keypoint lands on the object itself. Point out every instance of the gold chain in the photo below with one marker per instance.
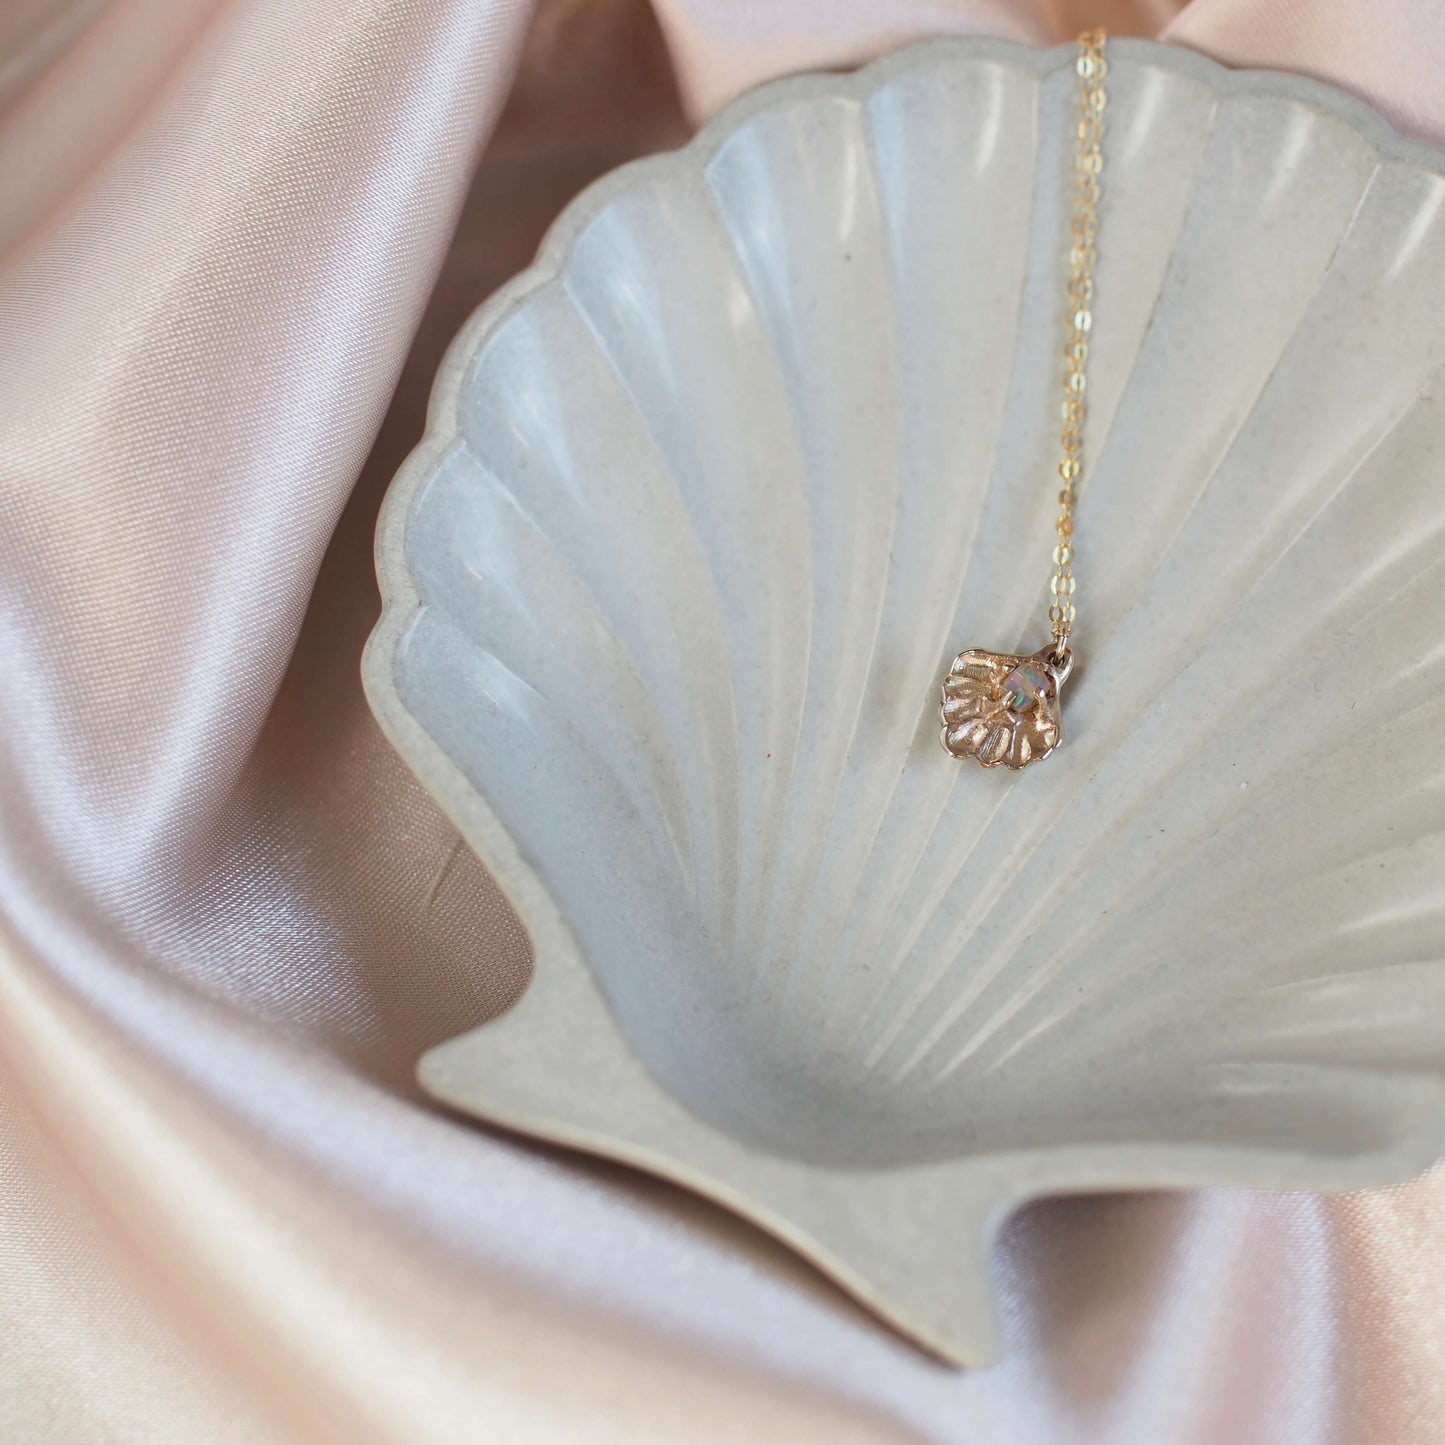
(1091, 68)
(999, 708)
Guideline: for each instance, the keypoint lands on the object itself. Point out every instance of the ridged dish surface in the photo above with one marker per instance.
(711, 496)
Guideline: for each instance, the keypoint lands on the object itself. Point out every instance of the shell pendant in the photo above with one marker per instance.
(1003, 709)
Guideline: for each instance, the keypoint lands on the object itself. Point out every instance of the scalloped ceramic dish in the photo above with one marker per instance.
(709, 498)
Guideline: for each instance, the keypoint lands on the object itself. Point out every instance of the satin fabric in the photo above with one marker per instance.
(234, 238)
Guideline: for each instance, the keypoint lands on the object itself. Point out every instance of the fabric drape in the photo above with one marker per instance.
(235, 237)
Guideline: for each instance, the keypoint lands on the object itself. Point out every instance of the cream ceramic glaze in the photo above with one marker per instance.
(711, 496)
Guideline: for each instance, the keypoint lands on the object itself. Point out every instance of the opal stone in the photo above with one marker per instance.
(1025, 685)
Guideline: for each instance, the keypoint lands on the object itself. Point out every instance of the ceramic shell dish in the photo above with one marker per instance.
(709, 498)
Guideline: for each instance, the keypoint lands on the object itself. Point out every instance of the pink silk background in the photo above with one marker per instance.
(234, 238)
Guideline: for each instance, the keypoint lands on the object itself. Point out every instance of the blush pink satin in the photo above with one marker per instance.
(234, 238)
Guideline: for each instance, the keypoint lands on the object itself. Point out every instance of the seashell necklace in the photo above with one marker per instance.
(998, 707)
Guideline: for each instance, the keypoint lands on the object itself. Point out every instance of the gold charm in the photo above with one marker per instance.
(999, 708)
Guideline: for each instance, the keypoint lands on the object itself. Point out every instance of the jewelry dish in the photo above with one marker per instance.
(708, 492)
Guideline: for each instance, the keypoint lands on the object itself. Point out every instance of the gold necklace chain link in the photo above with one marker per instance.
(1091, 67)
